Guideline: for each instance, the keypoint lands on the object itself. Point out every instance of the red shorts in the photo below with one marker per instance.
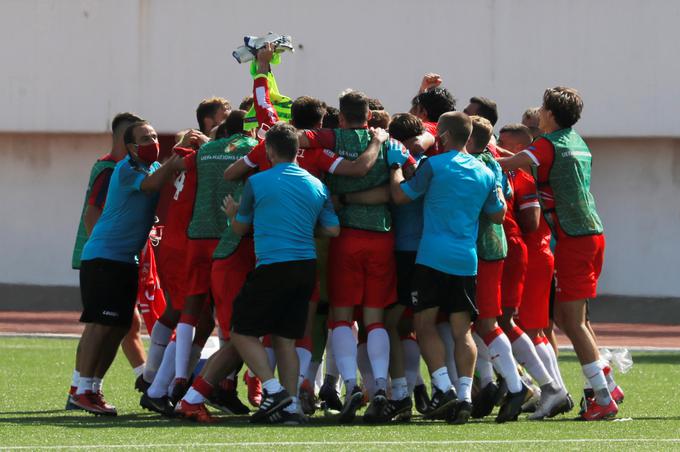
(362, 271)
(226, 279)
(488, 295)
(171, 267)
(198, 264)
(578, 264)
(534, 311)
(514, 271)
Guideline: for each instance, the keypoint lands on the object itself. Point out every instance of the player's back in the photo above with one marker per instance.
(288, 201)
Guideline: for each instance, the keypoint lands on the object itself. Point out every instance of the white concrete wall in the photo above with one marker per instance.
(43, 179)
(70, 65)
(636, 184)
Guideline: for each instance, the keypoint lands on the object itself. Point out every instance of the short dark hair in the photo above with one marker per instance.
(123, 119)
(209, 107)
(375, 104)
(246, 103)
(487, 108)
(518, 129)
(405, 126)
(307, 112)
(379, 118)
(565, 104)
(435, 102)
(354, 107)
(283, 141)
(234, 123)
(332, 118)
(129, 136)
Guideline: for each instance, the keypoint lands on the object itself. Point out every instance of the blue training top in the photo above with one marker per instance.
(284, 204)
(407, 220)
(457, 188)
(123, 228)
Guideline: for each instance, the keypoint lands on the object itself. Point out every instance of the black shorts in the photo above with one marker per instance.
(275, 299)
(108, 290)
(406, 264)
(450, 293)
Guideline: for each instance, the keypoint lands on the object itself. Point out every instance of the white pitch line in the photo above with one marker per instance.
(355, 443)
(568, 348)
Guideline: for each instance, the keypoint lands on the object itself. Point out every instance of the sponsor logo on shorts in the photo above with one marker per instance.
(414, 298)
(110, 314)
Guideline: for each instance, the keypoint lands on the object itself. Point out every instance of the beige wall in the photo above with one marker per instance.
(636, 184)
(71, 65)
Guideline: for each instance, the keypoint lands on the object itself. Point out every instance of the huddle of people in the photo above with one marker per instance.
(347, 237)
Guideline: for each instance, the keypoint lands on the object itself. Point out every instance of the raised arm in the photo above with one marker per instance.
(519, 160)
(264, 110)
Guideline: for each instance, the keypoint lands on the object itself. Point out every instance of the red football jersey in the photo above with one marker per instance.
(181, 193)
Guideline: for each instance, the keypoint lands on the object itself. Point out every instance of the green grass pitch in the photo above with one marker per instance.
(35, 373)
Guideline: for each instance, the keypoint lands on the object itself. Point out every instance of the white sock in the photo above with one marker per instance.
(378, 348)
(441, 380)
(500, 352)
(184, 338)
(464, 388)
(411, 363)
(553, 359)
(399, 388)
(446, 335)
(139, 370)
(544, 353)
(593, 372)
(84, 384)
(608, 374)
(194, 357)
(193, 396)
(483, 365)
(272, 386)
(331, 367)
(304, 357)
(271, 357)
(293, 407)
(160, 337)
(75, 378)
(345, 353)
(97, 384)
(365, 369)
(525, 352)
(165, 374)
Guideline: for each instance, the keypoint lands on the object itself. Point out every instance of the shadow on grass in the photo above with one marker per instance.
(147, 420)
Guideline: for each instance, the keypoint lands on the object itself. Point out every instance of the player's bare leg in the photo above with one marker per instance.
(571, 318)
(133, 347)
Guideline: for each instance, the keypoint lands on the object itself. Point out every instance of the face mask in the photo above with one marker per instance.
(148, 153)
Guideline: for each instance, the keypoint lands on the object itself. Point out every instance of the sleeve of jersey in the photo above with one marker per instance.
(419, 183)
(265, 111)
(525, 192)
(245, 210)
(321, 138)
(327, 161)
(327, 217)
(257, 156)
(493, 202)
(541, 152)
(99, 189)
(130, 179)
